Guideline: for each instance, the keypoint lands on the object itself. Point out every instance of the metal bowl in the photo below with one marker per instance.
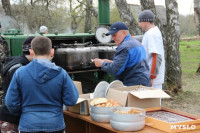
(100, 114)
(127, 122)
(101, 110)
(100, 118)
(127, 117)
(127, 126)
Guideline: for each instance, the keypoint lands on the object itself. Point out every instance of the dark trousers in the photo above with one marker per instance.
(61, 131)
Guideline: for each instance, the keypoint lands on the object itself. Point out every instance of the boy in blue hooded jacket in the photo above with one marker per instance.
(38, 91)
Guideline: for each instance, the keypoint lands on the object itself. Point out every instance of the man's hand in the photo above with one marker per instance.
(98, 62)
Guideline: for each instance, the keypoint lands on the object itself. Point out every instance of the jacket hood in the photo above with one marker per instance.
(43, 70)
(11, 61)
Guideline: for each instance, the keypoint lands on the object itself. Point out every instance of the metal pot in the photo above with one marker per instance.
(127, 126)
(127, 117)
(75, 58)
(101, 110)
(106, 52)
(127, 122)
(100, 117)
(100, 114)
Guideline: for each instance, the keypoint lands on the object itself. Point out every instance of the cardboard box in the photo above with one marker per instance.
(145, 97)
(75, 108)
(78, 86)
(82, 105)
(173, 127)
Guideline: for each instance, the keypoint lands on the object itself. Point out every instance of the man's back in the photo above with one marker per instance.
(42, 101)
(38, 91)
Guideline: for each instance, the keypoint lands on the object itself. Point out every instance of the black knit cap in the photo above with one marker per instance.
(146, 16)
(27, 45)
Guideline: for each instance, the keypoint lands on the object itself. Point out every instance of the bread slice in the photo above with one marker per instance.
(98, 101)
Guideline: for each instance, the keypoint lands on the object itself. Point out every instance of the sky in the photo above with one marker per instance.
(185, 7)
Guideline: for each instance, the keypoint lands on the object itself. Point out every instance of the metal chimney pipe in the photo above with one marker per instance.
(104, 12)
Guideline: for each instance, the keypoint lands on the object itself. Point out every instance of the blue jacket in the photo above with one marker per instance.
(37, 92)
(129, 63)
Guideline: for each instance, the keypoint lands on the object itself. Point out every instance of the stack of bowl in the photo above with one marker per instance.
(100, 114)
(127, 122)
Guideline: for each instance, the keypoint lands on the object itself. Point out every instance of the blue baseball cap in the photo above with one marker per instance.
(116, 27)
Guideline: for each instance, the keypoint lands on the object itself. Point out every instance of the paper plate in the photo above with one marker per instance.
(100, 89)
(114, 84)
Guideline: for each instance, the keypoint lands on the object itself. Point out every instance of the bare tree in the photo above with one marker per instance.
(127, 17)
(76, 14)
(197, 21)
(52, 13)
(197, 15)
(173, 63)
(9, 18)
(90, 11)
(7, 7)
(88, 16)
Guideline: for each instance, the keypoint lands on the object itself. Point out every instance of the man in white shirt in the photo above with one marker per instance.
(153, 44)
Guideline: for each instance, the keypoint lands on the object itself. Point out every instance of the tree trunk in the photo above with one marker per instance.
(76, 14)
(197, 15)
(198, 69)
(88, 16)
(127, 17)
(7, 7)
(173, 63)
(197, 21)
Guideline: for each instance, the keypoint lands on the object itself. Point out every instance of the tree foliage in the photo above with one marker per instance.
(187, 26)
(57, 15)
(88, 18)
(7, 7)
(31, 15)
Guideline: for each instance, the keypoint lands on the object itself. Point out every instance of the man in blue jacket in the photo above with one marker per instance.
(129, 63)
(38, 91)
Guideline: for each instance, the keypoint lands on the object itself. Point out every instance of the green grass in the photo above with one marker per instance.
(190, 59)
(189, 99)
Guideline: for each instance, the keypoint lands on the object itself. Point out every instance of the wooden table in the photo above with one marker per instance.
(76, 123)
